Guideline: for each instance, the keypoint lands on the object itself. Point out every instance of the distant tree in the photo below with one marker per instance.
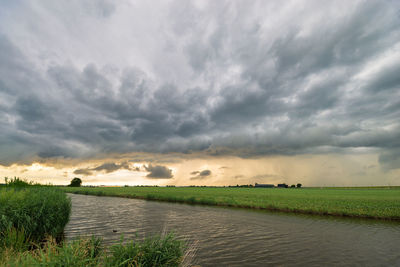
(76, 182)
(298, 185)
(292, 186)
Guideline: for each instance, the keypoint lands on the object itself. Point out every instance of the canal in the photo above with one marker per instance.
(238, 237)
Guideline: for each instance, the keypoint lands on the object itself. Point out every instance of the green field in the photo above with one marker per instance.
(378, 203)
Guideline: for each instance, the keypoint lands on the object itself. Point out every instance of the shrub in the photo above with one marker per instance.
(298, 185)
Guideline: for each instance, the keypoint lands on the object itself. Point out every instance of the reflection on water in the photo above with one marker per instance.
(234, 237)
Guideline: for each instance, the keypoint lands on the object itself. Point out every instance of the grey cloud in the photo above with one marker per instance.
(83, 171)
(210, 80)
(107, 167)
(390, 159)
(200, 174)
(158, 172)
(205, 173)
(111, 167)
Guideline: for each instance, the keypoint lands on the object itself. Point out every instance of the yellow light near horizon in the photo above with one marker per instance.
(38, 167)
(35, 167)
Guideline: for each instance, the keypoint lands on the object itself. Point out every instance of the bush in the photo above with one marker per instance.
(298, 185)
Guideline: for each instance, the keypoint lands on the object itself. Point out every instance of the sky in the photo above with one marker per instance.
(200, 92)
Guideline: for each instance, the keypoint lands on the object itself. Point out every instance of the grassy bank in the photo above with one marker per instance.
(32, 221)
(377, 203)
(155, 251)
(35, 211)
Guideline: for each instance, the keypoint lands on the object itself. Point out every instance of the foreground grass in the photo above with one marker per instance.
(32, 221)
(378, 203)
(156, 251)
(32, 212)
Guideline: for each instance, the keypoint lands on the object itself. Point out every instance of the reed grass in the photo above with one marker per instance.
(35, 211)
(163, 251)
(81, 252)
(155, 251)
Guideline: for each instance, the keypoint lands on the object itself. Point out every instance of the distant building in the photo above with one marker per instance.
(264, 185)
(283, 185)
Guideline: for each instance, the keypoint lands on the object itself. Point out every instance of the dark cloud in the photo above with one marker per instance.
(205, 173)
(111, 167)
(83, 171)
(200, 174)
(107, 168)
(325, 81)
(390, 159)
(158, 172)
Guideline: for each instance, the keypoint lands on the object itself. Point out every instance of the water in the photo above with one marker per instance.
(235, 237)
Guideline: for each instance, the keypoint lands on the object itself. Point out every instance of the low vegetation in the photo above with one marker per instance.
(378, 203)
(32, 212)
(156, 251)
(32, 221)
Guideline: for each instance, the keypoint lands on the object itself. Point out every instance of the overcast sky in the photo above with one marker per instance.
(174, 91)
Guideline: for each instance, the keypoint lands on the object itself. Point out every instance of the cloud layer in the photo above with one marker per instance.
(84, 78)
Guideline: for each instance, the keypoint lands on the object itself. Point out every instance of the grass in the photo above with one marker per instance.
(81, 252)
(32, 221)
(34, 212)
(154, 251)
(164, 251)
(377, 203)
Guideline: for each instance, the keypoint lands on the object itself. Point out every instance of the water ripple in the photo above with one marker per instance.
(234, 237)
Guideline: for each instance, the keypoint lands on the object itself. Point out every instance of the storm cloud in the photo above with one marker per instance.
(107, 168)
(200, 174)
(158, 172)
(243, 78)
